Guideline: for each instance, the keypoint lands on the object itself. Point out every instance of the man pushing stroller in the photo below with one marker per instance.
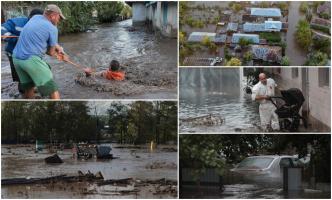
(262, 93)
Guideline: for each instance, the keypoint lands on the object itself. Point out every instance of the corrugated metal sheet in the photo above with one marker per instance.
(273, 25)
(198, 36)
(220, 38)
(266, 26)
(253, 27)
(266, 12)
(253, 37)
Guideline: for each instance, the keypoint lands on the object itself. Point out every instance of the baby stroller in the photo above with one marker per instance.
(288, 112)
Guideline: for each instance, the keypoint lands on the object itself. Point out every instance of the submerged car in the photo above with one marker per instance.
(267, 168)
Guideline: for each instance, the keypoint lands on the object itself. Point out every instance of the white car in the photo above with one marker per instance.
(267, 168)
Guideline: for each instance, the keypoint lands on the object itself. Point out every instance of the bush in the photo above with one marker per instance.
(304, 7)
(271, 37)
(325, 16)
(317, 59)
(108, 11)
(234, 62)
(236, 7)
(318, 27)
(321, 44)
(206, 41)
(303, 34)
(247, 56)
(285, 61)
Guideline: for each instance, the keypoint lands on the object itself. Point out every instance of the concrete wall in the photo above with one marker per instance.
(162, 15)
(139, 13)
(318, 98)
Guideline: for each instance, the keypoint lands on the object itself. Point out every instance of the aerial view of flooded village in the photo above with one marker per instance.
(140, 36)
(256, 33)
(89, 149)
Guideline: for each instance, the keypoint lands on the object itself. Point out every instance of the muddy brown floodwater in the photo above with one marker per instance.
(137, 163)
(148, 59)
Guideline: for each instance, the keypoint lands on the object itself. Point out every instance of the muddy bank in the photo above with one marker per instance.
(62, 189)
(148, 59)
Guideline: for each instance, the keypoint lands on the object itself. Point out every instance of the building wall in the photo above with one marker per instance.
(139, 13)
(318, 98)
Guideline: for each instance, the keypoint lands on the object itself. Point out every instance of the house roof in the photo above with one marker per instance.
(324, 8)
(232, 26)
(198, 36)
(267, 53)
(266, 12)
(253, 37)
(273, 25)
(261, 27)
(220, 38)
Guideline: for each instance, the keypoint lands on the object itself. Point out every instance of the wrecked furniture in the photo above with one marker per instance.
(205, 120)
(53, 159)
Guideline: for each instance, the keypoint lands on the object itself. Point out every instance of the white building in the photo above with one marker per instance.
(315, 83)
(161, 14)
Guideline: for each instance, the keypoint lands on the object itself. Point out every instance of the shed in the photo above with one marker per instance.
(253, 37)
(273, 26)
(198, 36)
(232, 27)
(265, 12)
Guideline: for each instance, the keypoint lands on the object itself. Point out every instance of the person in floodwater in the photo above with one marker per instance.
(262, 93)
(11, 30)
(113, 72)
(39, 36)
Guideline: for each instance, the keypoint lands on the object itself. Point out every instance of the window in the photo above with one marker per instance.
(324, 77)
(295, 72)
(255, 162)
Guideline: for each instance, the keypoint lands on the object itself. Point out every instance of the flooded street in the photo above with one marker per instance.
(293, 51)
(136, 163)
(148, 59)
(250, 191)
(218, 92)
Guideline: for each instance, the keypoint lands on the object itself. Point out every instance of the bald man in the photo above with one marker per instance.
(261, 93)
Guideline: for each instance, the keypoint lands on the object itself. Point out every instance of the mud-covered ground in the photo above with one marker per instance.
(140, 164)
(148, 59)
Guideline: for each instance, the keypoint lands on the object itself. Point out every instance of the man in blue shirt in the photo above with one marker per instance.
(13, 27)
(39, 36)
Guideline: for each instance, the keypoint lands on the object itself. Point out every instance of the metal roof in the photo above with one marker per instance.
(232, 26)
(261, 27)
(273, 25)
(253, 37)
(266, 12)
(198, 36)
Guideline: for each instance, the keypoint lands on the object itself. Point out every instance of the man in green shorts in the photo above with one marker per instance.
(39, 36)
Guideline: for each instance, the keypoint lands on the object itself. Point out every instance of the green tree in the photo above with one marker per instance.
(206, 41)
(236, 7)
(243, 42)
(109, 11)
(234, 62)
(248, 56)
(285, 61)
(317, 59)
(303, 34)
(304, 7)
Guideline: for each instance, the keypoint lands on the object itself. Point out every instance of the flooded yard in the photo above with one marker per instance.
(148, 59)
(141, 164)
